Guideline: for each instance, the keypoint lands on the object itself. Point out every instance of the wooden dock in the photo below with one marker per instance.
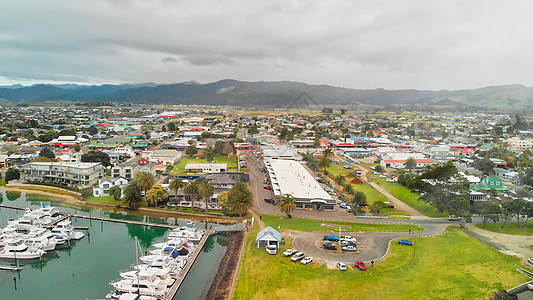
(181, 276)
(132, 222)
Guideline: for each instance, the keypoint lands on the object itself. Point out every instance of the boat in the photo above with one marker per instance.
(24, 223)
(191, 233)
(36, 238)
(156, 288)
(128, 296)
(150, 274)
(66, 230)
(16, 249)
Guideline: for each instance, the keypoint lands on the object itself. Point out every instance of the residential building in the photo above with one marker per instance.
(129, 170)
(206, 167)
(105, 184)
(72, 174)
(268, 237)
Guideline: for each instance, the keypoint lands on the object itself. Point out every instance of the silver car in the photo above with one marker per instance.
(297, 256)
(341, 266)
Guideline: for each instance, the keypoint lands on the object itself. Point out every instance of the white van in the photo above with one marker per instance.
(271, 249)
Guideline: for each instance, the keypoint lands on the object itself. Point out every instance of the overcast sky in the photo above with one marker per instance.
(358, 44)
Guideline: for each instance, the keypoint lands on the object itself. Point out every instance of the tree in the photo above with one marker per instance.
(339, 179)
(223, 199)
(209, 154)
(219, 146)
(241, 198)
(171, 126)
(484, 165)
(324, 163)
(377, 206)
(327, 152)
(287, 204)
(169, 167)
(206, 190)
(378, 168)
(33, 123)
(144, 180)
(191, 150)
(115, 192)
(348, 188)
(177, 184)
(192, 190)
(67, 132)
(441, 193)
(359, 198)
(132, 195)
(48, 136)
(410, 164)
(97, 156)
(155, 195)
(518, 208)
(12, 174)
(460, 206)
(487, 211)
(528, 176)
(48, 153)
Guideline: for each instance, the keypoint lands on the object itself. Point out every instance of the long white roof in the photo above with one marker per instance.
(292, 178)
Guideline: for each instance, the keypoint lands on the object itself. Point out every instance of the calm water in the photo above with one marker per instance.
(84, 270)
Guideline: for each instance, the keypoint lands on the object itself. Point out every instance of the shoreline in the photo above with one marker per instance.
(71, 199)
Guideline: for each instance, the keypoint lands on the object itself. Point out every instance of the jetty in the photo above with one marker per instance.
(181, 276)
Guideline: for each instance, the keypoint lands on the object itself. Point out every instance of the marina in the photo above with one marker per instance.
(106, 229)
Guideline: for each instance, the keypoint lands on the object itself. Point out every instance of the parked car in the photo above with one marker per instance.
(348, 238)
(268, 187)
(341, 266)
(405, 242)
(306, 260)
(271, 249)
(331, 237)
(289, 252)
(329, 245)
(347, 167)
(349, 248)
(348, 209)
(453, 218)
(530, 260)
(297, 256)
(388, 205)
(269, 200)
(360, 265)
(343, 205)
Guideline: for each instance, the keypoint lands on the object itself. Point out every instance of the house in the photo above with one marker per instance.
(104, 184)
(206, 167)
(268, 237)
(163, 156)
(489, 183)
(129, 170)
(400, 163)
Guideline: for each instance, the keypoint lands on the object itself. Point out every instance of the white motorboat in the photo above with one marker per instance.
(175, 242)
(66, 230)
(156, 288)
(150, 274)
(128, 296)
(23, 223)
(36, 238)
(15, 248)
(189, 232)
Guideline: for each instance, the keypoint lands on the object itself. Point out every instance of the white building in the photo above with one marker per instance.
(104, 184)
(72, 174)
(206, 167)
(290, 177)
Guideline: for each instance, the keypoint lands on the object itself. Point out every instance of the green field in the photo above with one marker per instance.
(179, 168)
(450, 266)
(510, 228)
(404, 194)
(302, 224)
(105, 199)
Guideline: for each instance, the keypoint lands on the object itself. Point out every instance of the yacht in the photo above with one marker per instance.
(150, 274)
(156, 288)
(128, 296)
(66, 230)
(189, 232)
(15, 248)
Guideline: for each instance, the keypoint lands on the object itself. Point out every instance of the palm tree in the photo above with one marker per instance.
(132, 195)
(192, 189)
(287, 204)
(324, 163)
(176, 185)
(206, 190)
(241, 198)
(348, 188)
(339, 179)
(145, 180)
(327, 152)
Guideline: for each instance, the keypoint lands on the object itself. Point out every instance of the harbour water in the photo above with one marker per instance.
(84, 270)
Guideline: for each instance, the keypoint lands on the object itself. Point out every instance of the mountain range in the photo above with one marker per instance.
(275, 94)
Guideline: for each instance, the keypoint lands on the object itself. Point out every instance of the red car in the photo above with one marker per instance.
(360, 265)
(268, 187)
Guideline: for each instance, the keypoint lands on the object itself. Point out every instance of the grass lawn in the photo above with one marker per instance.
(303, 224)
(510, 228)
(179, 168)
(105, 199)
(450, 266)
(372, 195)
(404, 194)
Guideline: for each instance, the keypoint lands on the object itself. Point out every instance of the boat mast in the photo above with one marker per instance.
(137, 262)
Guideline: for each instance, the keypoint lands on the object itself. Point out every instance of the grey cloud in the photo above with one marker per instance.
(169, 59)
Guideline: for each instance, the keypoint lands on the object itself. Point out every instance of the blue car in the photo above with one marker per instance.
(331, 237)
(405, 242)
